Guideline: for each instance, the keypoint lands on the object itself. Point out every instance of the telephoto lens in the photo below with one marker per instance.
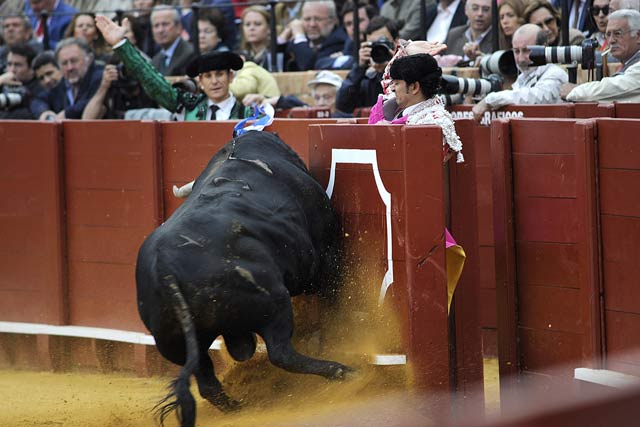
(472, 87)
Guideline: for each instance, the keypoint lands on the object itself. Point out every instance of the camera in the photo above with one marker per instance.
(382, 50)
(501, 62)
(586, 54)
(13, 97)
(473, 87)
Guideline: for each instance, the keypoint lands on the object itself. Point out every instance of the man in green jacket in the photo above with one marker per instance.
(214, 72)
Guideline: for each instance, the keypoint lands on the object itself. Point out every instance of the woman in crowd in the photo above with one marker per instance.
(83, 26)
(545, 16)
(599, 12)
(510, 14)
(210, 28)
(255, 39)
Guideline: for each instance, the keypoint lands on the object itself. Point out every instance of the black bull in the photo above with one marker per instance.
(256, 230)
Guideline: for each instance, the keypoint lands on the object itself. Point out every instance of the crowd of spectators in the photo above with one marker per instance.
(62, 65)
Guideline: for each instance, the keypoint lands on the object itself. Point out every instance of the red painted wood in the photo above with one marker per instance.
(464, 225)
(32, 271)
(586, 110)
(112, 176)
(549, 264)
(549, 308)
(623, 340)
(627, 110)
(550, 175)
(545, 351)
(617, 150)
(620, 191)
(550, 136)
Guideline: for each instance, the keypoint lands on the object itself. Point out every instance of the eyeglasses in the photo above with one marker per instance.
(595, 10)
(546, 22)
(617, 34)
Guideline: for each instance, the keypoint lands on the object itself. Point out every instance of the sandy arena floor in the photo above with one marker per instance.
(271, 398)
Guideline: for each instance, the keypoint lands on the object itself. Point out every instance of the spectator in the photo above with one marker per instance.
(323, 91)
(228, 32)
(80, 80)
(624, 4)
(362, 85)
(578, 14)
(142, 21)
(316, 41)
(60, 15)
(535, 85)
(214, 75)
(442, 16)
(175, 53)
(19, 84)
(252, 79)
(255, 38)
(599, 12)
(83, 26)
(474, 39)
(623, 34)
(365, 13)
(16, 30)
(287, 12)
(510, 15)
(545, 16)
(210, 30)
(46, 70)
(407, 12)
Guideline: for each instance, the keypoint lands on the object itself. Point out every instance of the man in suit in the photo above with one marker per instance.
(442, 17)
(175, 53)
(16, 30)
(80, 80)
(472, 40)
(60, 15)
(316, 41)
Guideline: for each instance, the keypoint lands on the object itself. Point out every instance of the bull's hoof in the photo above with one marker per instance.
(341, 372)
(225, 404)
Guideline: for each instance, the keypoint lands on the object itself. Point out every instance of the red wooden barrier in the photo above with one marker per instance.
(188, 147)
(32, 271)
(587, 110)
(619, 179)
(627, 111)
(113, 202)
(546, 247)
(408, 160)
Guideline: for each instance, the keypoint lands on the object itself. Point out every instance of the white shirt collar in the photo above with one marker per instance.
(225, 107)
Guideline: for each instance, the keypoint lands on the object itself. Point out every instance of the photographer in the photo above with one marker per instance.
(535, 85)
(362, 85)
(18, 84)
(623, 35)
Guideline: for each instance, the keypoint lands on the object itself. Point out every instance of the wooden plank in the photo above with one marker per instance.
(545, 351)
(620, 237)
(117, 245)
(546, 220)
(547, 175)
(542, 136)
(549, 264)
(108, 207)
(620, 191)
(487, 262)
(623, 339)
(549, 308)
(621, 290)
(616, 149)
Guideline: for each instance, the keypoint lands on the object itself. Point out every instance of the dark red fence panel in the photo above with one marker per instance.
(386, 182)
(587, 110)
(112, 171)
(466, 226)
(32, 271)
(619, 178)
(627, 111)
(548, 278)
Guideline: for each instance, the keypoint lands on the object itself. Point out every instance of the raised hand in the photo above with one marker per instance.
(112, 32)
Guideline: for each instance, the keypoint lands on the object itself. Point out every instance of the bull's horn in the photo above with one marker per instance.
(183, 191)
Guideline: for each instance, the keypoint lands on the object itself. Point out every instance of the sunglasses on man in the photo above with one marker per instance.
(595, 10)
(546, 22)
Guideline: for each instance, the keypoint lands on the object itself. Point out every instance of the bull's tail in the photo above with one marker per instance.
(180, 396)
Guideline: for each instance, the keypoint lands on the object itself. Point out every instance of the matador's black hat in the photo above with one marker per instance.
(214, 61)
(413, 68)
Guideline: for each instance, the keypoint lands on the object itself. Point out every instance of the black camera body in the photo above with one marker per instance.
(382, 50)
(13, 97)
(587, 55)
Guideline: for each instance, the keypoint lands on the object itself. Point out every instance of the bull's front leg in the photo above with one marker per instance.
(277, 337)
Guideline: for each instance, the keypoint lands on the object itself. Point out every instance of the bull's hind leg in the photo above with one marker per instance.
(209, 386)
(277, 336)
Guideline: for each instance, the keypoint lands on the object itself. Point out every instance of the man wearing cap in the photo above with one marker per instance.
(213, 71)
(324, 87)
